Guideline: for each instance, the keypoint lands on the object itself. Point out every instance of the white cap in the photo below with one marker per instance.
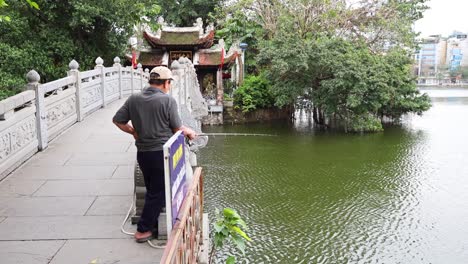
(161, 73)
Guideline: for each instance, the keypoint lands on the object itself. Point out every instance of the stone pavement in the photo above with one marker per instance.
(66, 204)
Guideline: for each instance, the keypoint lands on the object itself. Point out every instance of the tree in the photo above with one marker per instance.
(345, 80)
(183, 13)
(351, 61)
(235, 27)
(49, 38)
(377, 23)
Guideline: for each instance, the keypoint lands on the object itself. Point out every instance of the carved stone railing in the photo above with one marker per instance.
(186, 239)
(31, 119)
(18, 131)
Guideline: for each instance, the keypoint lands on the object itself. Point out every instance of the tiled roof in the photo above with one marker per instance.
(214, 58)
(151, 58)
(180, 38)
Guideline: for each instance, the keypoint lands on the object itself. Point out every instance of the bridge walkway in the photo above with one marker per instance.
(66, 204)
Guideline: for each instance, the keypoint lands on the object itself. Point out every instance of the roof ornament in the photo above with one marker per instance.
(221, 44)
(158, 33)
(199, 22)
(161, 24)
(209, 28)
(161, 21)
(199, 25)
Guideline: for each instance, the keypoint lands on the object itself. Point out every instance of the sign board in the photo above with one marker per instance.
(175, 174)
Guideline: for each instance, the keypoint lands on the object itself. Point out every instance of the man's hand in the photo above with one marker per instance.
(191, 134)
(135, 135)
(127, 129)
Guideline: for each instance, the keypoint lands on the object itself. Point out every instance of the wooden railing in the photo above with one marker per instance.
(185, 241)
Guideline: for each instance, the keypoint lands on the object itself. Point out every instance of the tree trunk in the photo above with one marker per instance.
(321, 117)
(315, 115)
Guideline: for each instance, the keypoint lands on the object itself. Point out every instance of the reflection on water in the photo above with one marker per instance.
(322, 197)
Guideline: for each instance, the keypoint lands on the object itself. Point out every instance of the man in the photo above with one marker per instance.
(155, 119)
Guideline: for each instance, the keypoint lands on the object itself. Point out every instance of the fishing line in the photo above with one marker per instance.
(236, 134)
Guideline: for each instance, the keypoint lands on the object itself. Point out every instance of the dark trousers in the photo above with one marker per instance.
(152, 166)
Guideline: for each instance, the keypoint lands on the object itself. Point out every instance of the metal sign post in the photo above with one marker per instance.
(175, 174)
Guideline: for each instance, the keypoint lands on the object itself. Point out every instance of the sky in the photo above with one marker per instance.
(443, 17)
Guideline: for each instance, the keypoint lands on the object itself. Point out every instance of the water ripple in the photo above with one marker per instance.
(394, 197)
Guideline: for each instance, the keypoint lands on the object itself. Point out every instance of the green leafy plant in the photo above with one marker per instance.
(253, 94)
(229, 228)
(227, 97)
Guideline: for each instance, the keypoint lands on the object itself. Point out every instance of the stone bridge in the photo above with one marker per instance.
(67, 173)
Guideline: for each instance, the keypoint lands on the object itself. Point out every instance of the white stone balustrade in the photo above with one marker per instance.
(31, 119)
(192, 106)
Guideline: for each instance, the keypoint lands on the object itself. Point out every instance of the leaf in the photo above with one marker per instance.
(219, 240)
(241, 233)
(218, 226)
(33, 4)
(241, 223)
(239, 242)
(228, 212)
(231, 260)
(7, 18)
(225, 231)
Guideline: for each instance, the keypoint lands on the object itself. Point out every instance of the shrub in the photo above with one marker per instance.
(253, 94)
(365, 123)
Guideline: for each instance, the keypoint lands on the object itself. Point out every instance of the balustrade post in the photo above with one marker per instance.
(146, 75)
(187, 85)
(73, 65)
(119, 67)
(41, 116)
(219, 86)
(147, 71)
(182, 79)
(131, 79)
(177, 71)
(140, 71)
(100, 66)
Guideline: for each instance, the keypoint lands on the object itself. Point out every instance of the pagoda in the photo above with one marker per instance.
(198, 45)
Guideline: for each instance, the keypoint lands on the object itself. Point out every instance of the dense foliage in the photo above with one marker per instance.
(47, 39)
(253, 94)
(344, 80)
(351, 61)
(183, 13)
(234, 27)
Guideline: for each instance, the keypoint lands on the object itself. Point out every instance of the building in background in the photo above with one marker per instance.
(457, 51)
(195, 43)
(428, 59)
(442, 60)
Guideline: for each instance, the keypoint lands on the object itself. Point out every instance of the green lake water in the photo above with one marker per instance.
(310, 196)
